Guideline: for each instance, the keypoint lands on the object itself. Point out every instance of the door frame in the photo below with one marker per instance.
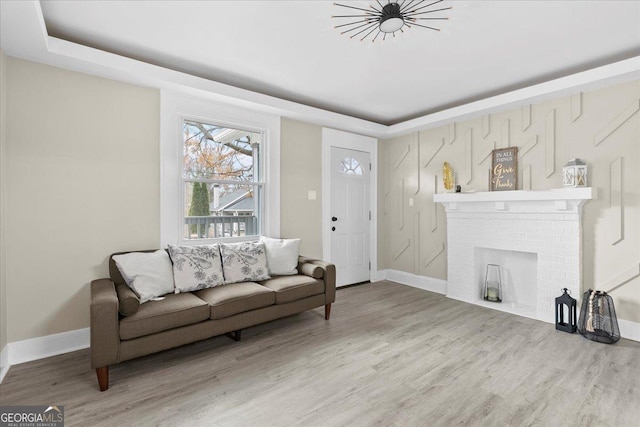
(351, 141)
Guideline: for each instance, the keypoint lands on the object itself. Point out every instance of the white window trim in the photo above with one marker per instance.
(352, 141)
(174, 108)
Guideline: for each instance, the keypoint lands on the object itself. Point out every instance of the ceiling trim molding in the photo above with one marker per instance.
(23, 35)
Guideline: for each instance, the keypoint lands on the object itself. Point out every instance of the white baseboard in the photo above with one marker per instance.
(377, 276)
(422, 282)
(18, 352)
(47, 346)
(4, 362)
(629, 330)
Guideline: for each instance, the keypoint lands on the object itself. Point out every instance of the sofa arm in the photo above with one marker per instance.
(105, 324)
(329, 276)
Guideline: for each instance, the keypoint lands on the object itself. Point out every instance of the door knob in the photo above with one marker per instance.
(333, 229)
(334, 219)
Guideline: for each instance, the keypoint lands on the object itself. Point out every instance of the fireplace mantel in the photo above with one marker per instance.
(582, 193)
(549, 201)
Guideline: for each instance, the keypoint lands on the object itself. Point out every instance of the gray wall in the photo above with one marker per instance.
(413, 238)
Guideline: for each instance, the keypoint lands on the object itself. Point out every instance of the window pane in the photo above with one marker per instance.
(350, 165)
(221, 210)
(215, 152)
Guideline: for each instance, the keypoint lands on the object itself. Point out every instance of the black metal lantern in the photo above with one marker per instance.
(566, 312)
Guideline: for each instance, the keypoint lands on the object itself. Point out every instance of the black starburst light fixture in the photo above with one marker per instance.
(389, 18)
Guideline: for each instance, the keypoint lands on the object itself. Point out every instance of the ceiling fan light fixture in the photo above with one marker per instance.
(386, 19)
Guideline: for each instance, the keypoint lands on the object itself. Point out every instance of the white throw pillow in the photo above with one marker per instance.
(196, 267)
(149, 275)
(282, 255)
(244, 262)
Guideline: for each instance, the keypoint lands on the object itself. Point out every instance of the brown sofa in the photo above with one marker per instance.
(188, 317)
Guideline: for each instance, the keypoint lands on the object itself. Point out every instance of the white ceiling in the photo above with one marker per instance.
(290, 50)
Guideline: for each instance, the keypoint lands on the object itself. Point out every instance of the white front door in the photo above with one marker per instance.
(350, 215)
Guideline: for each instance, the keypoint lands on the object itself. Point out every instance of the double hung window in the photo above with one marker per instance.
(221, 181)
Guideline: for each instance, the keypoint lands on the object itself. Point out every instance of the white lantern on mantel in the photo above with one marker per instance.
(574, 173)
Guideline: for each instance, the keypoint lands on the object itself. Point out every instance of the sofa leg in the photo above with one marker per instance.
(327, 311)
(103, 377)
(235, 335)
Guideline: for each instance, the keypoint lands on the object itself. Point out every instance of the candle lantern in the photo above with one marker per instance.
(566, 316)
(598, 321)
(574, 173)
(492, 290)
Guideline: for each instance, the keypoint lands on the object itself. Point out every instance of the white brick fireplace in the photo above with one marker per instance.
(536, 237)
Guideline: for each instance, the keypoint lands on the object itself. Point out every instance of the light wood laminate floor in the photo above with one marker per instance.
(391, 355)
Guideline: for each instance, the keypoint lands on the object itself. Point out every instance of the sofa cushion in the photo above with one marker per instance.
(236, 298)
(196, 267)
(244, 262)
(173, 311)
(291, 288)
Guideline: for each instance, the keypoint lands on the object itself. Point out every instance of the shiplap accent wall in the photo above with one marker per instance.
(601, 127)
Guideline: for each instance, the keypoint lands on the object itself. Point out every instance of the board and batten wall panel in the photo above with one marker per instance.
(601, 127)
(300, 172)
(83, 181)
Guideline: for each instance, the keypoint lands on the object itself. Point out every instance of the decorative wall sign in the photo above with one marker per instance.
(504, 169)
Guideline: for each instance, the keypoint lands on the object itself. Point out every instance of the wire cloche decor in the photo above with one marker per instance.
(384, 19)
